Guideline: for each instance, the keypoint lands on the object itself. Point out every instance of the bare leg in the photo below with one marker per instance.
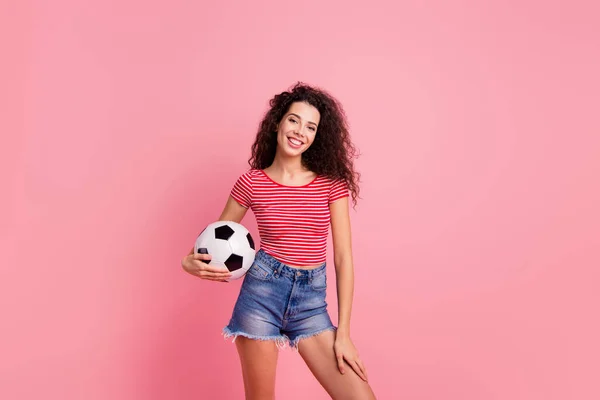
(259, 363)
(317, 351)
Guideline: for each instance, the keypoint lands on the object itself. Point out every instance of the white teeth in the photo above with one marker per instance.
(294, 141)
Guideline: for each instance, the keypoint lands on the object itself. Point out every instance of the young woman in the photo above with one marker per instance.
(300, 181)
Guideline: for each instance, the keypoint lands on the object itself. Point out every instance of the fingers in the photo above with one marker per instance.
(211, 275)
(358, 368)
(362, 368)
(207, 271)
(355, 364)
(205, 258)
(212, 269)
(222, 278)
(202, 261)
(208, 278)
(340, 362)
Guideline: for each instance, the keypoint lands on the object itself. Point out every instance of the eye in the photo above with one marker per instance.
(293, 120)
(312, 128)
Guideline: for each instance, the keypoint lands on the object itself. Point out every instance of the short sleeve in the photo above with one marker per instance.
(339, 189)
(242, 190)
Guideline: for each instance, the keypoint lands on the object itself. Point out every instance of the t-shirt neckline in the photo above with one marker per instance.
(287, 186)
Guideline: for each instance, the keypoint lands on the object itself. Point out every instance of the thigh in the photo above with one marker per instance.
(317, 351)
(259, 309)
(259, 363)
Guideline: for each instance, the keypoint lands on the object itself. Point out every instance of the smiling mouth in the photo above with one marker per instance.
(294, 142)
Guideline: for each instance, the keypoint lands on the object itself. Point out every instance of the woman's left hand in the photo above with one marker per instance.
(345, 350)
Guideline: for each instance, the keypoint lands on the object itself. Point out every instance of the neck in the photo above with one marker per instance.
(287, 164)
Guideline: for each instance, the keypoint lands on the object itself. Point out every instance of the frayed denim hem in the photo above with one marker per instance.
(295, 342)
(280, 340)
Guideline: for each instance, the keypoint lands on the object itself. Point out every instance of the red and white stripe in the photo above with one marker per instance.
(293, 221)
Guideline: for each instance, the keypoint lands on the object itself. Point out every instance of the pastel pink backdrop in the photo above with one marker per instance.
(125, 123)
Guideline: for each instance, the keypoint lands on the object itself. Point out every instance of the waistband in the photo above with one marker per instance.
(267, 260)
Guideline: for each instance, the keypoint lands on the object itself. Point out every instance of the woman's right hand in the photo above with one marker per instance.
(193, 264)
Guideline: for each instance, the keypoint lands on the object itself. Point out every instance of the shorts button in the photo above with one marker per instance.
(298, 274)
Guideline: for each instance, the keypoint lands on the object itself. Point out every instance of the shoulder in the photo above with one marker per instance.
(338, 188)
(334, 182)
(250, 174)
(326, 179)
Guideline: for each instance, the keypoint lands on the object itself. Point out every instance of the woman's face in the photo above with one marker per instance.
(297, 129)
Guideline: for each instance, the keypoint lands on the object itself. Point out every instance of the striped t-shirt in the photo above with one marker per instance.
(293, 221)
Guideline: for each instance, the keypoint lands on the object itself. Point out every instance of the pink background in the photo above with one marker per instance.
(125, 123)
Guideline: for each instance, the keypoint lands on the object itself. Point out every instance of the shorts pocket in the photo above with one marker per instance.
(319, 282)
(261, 272)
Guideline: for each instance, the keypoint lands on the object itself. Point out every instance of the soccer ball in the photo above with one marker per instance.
(230, 245)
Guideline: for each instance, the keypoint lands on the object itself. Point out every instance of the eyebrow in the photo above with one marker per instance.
(299, 117)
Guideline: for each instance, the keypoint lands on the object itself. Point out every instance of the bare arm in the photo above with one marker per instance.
(233, 211)
(344, 272)
(344, 268)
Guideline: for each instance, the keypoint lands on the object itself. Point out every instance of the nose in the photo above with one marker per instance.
(298, 130)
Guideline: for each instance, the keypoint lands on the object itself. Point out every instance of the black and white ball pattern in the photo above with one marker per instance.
(230, 245)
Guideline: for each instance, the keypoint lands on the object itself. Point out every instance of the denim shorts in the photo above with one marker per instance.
(280, 303)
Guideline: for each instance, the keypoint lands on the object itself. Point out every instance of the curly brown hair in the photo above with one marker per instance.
(331, 153)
